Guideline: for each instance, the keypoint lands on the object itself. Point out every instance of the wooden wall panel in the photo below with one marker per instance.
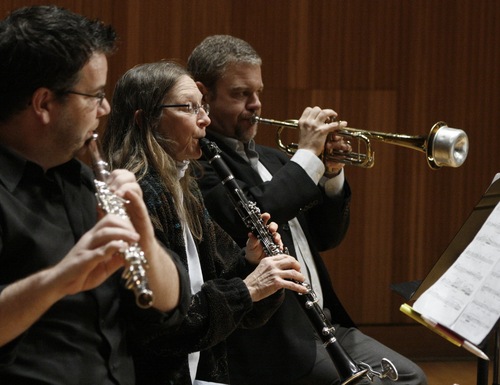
(384, 65)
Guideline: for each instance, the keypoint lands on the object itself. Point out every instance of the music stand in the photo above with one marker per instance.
(412, 290)
(496, 357)
(483, 366)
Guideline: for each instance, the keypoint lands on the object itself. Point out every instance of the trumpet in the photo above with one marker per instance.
(443, 146)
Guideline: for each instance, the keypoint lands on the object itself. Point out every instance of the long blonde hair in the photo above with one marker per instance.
(131, 139)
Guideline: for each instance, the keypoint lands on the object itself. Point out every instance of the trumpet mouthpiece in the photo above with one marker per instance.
(254, 119)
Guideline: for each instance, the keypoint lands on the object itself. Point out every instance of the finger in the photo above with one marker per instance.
(297, 287)
(292, 274)
(121, 181)
(338, 146)
(332, 125)
(104, 264)
(277, 240)
(110, 228)
(329, 115)
(252, 242)
(285, 262)
(114, 263)
(273, 227)
(138, 214)
(346, 146)
(325, 116)
(310, 112)
(332, 137)
(104, 253)
(113, 250)
(265, 217)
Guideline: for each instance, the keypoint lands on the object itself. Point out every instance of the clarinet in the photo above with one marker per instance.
(134, 273)
(349, 371)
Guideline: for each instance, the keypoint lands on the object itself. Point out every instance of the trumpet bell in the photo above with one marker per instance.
(448, 146)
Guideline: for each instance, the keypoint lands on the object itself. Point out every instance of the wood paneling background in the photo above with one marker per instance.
(384, 65)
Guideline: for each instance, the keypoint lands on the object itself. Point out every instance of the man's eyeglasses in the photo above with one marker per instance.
(191, 108)
(99, 96)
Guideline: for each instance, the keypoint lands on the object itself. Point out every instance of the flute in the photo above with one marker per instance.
(134, 273)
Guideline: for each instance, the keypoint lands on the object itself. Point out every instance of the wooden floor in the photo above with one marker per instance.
(452, 372)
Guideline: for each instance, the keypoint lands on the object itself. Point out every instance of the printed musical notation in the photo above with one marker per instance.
(466, 298)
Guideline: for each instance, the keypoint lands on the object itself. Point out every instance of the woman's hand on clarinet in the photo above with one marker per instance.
(254, 249)
(274, 273)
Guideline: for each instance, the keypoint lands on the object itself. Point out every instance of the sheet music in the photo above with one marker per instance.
(466, 298)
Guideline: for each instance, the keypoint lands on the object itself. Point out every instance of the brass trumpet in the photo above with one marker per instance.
(443, 146)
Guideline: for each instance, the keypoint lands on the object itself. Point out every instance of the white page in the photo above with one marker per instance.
(466, 298)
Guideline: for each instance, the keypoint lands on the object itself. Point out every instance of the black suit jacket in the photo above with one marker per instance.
(284, 348)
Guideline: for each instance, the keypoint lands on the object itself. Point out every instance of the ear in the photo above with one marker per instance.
(42, 103)
(138, 118)
(204, 90)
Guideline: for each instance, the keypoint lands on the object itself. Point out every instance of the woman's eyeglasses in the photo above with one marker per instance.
(191, 108)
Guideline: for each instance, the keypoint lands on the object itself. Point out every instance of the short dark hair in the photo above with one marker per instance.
(45, 46)
(208, 61)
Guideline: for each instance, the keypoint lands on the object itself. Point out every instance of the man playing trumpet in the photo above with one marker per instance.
(309, 201)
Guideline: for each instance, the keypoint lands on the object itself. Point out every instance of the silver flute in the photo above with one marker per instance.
(134, 272)
(350, 372)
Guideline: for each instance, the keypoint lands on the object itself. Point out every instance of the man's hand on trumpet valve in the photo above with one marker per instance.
(338, 144)
(315, 124)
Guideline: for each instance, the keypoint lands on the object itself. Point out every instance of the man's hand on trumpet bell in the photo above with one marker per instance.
(315, 124)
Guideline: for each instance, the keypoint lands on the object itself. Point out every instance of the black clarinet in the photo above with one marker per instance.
(349, 371)
(134, 273)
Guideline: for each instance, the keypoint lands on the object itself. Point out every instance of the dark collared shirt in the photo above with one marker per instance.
(79, 340)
